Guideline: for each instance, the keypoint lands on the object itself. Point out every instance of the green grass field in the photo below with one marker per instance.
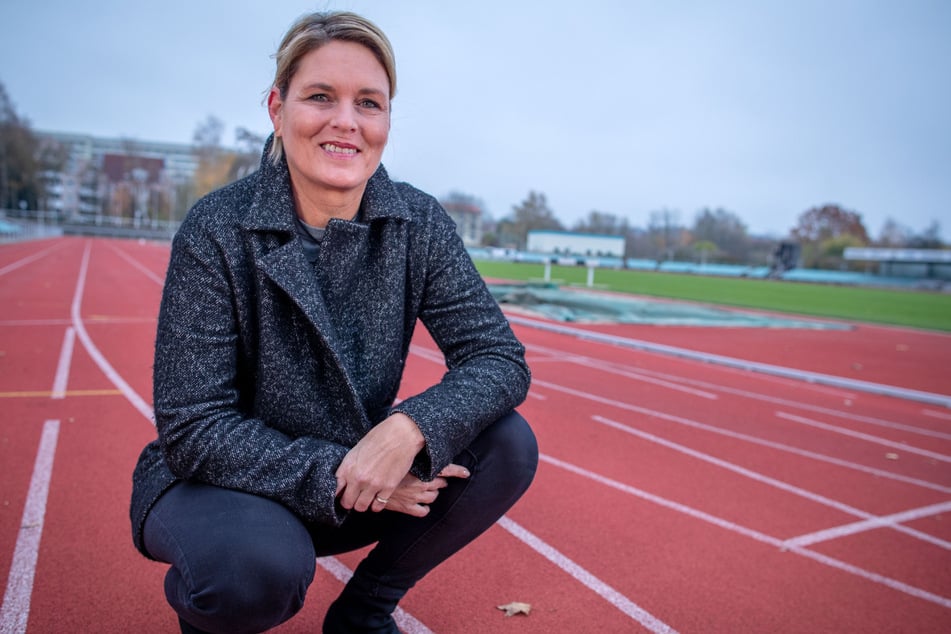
(917, 309)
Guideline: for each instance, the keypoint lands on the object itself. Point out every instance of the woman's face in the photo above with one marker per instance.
(334, 120)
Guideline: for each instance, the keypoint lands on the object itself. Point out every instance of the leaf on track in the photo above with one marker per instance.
(513, 608)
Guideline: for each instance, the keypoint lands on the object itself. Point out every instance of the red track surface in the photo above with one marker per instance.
(672, 495)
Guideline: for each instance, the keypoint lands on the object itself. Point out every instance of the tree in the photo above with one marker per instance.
(829, 221)
(602, 223)
(930, 238)
(214, 163)
(533, 214)
(705, 249)
(666, 233)
(725, 230)
(248, 153)
(20, 178)
(823, 224)
(894, 235)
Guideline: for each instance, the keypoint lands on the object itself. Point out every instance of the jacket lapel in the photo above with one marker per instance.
(270, 221)
(287, 267)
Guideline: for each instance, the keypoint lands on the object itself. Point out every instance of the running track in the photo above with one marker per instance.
(673, 495)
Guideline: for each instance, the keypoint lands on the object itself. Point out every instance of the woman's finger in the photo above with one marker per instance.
(454, 471)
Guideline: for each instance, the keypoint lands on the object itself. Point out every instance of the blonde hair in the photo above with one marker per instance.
(311, 31)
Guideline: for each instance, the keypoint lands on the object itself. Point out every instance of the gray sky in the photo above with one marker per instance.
(762, 108)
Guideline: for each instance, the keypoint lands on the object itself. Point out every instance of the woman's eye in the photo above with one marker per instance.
(369, 103)
(319, 97)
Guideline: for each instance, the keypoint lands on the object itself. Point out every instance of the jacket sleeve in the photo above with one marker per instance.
(204, 432)
(487, 375)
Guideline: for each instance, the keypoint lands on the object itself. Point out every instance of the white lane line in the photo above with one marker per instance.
(751, 533)
(587, 579)
(137, 401)
(24, 261)
(885, 521)
(35, 322)
(936, 414)
(776, 400)
(745, 437)
(862, 436)
(136, 264)
(406, 622)
(62, 368)
(627, 373)
(768, 481)
(16, 599)
(430, 355)
(753, 366)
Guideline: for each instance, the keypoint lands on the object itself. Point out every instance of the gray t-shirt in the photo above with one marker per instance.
(310, 238)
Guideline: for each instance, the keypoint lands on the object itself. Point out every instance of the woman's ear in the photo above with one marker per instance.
(275, 106)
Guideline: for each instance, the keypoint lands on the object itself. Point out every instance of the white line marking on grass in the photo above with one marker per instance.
(745, 437)
(750, 533)
(62, 368)
(587, 579)
(16, 599)
(886, 521)
(862, 436)
(137, 401)
(406, 622)
(30, 258)
(779, 484)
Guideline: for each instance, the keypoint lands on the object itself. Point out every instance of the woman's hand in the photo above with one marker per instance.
(374, 468)
(375, 474)
(413, 496)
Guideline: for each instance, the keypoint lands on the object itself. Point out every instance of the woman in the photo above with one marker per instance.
(289, 306)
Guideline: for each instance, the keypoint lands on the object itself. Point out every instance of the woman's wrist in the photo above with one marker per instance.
(408, 427)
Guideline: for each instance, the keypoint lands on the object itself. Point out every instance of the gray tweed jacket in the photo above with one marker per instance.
(268, 368)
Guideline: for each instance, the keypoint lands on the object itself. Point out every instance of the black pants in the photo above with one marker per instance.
(243, 563)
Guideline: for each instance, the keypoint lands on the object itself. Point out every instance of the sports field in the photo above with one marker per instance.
(918, 309)
(692, 479)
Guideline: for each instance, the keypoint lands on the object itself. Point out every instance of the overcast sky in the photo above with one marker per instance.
(627, 107)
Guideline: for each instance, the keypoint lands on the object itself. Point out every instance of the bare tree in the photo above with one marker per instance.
(930, 238)
(533, 214)
(894, 234)
(665, 232)
(725, 230)
(603, 223)
(214, 163)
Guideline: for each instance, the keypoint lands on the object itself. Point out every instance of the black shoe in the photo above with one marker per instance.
(188, 628)
(348, 617)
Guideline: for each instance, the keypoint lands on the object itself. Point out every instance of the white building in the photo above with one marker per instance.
(575, 244)
(96, 168)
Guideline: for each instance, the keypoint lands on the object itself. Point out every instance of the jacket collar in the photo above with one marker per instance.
(272, 207)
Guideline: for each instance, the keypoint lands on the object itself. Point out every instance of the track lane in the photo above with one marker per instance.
(560, 509)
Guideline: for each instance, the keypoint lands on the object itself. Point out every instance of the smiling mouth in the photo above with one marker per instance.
(336, 149)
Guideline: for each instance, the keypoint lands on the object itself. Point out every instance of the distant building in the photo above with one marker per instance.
(917, 263)
(567, 243)
(468, 218)
(108, 180)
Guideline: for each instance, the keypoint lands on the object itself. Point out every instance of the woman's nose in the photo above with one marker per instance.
(344, 118)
